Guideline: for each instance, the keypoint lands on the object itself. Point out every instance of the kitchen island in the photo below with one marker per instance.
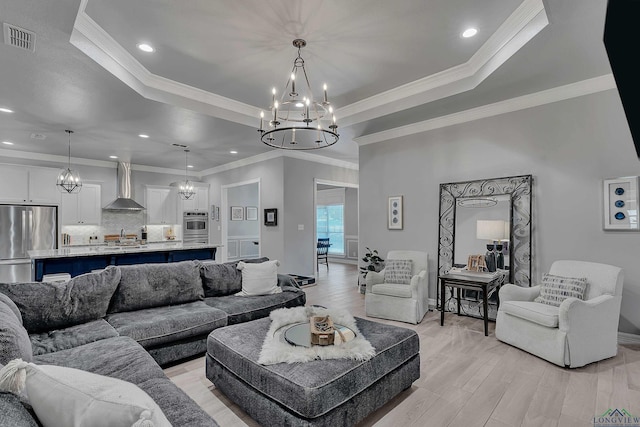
(84, 259)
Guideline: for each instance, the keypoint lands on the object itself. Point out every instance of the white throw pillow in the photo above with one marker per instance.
(67, 397)
(555, 289)
(259, 278)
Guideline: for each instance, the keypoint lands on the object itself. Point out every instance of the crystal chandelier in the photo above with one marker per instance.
(69, 180)
(185, 189)
(298, 121)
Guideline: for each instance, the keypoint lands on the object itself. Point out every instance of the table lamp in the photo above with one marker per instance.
(492, 230)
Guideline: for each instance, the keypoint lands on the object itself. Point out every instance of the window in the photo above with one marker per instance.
(330, 219)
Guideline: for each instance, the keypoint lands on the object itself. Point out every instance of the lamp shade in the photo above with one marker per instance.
(490, 229)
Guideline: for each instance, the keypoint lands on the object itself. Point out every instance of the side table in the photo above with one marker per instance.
(473, 283)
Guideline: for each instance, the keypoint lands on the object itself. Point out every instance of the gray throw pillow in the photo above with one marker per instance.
(14, 413)
(49, 306)
(14, 340)
(398, 271)
(555, 289)
(12, 305)
(157, 284)
(223, 279)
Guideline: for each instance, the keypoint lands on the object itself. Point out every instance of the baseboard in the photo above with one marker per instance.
(432, 304)
(627, 338)
(343, 261)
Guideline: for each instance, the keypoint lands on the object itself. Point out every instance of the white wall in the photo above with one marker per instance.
(569, 147)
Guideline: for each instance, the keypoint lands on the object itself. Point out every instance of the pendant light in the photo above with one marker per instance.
(186, 190)
(69, 180)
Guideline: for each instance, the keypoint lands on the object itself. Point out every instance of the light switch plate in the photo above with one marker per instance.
(300, 227)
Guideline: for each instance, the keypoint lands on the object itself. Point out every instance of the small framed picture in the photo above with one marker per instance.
(237, 213)
(394, 215)
(271, 217)
(251, 213)
(621, 203)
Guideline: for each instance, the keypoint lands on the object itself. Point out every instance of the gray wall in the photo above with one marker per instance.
(350, 212)
(569, 147)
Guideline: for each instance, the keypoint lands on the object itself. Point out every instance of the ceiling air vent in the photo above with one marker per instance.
(19, 37)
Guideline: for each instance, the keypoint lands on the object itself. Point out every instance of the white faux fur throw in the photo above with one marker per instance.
(276, 350)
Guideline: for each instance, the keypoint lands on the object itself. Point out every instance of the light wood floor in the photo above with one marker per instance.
(466, 379)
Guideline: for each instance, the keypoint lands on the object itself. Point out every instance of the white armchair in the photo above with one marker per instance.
(576, 333)
(401, 302)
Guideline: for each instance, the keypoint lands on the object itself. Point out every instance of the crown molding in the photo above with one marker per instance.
(521, 26)
(64, 160)
(561, 93)
(98, 45)
(274, 154)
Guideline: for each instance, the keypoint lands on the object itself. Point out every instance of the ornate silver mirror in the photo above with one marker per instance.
(476, 213)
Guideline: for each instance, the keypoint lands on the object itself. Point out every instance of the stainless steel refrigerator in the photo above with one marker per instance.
(24, 228)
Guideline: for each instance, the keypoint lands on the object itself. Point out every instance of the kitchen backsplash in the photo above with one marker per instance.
(112, 223)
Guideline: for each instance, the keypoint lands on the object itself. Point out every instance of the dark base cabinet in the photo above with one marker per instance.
(76, 265)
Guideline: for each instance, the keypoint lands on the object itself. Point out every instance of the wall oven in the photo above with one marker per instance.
(195, 227)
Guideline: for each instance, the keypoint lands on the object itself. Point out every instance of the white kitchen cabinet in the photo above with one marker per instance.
(82, 208)
(42, 186)
(22, 184)
(161, 205)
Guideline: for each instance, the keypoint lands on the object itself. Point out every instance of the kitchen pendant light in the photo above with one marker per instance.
(186, 190)
(69, 180)
(298, 120)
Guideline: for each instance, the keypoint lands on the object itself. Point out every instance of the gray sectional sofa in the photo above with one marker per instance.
(128, 321)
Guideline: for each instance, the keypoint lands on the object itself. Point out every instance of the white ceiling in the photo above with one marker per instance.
(387, 64)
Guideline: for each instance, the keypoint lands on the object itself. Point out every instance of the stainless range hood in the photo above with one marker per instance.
(124, 202)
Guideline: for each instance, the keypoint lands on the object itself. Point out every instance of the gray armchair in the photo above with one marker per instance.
(402, 302)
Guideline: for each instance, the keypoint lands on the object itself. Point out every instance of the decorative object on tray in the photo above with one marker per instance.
(394, 216)
(322, 331)
(303, 280)
(276, 350)
(621, 204)
(271, 217)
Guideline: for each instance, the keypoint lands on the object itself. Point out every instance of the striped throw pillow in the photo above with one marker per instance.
(555, 289)
(398, 271)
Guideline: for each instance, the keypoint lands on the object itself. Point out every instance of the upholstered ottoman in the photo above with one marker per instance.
(338, 392)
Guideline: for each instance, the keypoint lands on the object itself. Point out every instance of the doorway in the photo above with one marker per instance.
(336, 218)
(241, 231)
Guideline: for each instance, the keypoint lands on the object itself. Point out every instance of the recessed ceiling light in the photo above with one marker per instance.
(189, 166)
(233, 152)
(146, 47)
(113, 157)
(7, 143)
(469, 32)
(5, 110)
(142, 135)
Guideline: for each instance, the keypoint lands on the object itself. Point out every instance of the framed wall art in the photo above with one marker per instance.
(237, 213)
(621, 203)
(394, 215)
(271, 217)
(251, 213)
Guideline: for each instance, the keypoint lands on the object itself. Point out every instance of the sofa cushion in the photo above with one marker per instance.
(154, 285)
(62, 396)
(223, 279)
(259, 279)
(392, 290)
(398, 271)
(542, 314)
(46, 306)
(155, 326)
(12, 305)
(123, 358)
(241, 309)
(555, 289)
(13, 413)
(14, 340)
(73, 336)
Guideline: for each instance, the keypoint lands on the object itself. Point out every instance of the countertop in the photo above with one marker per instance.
(67, 252)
